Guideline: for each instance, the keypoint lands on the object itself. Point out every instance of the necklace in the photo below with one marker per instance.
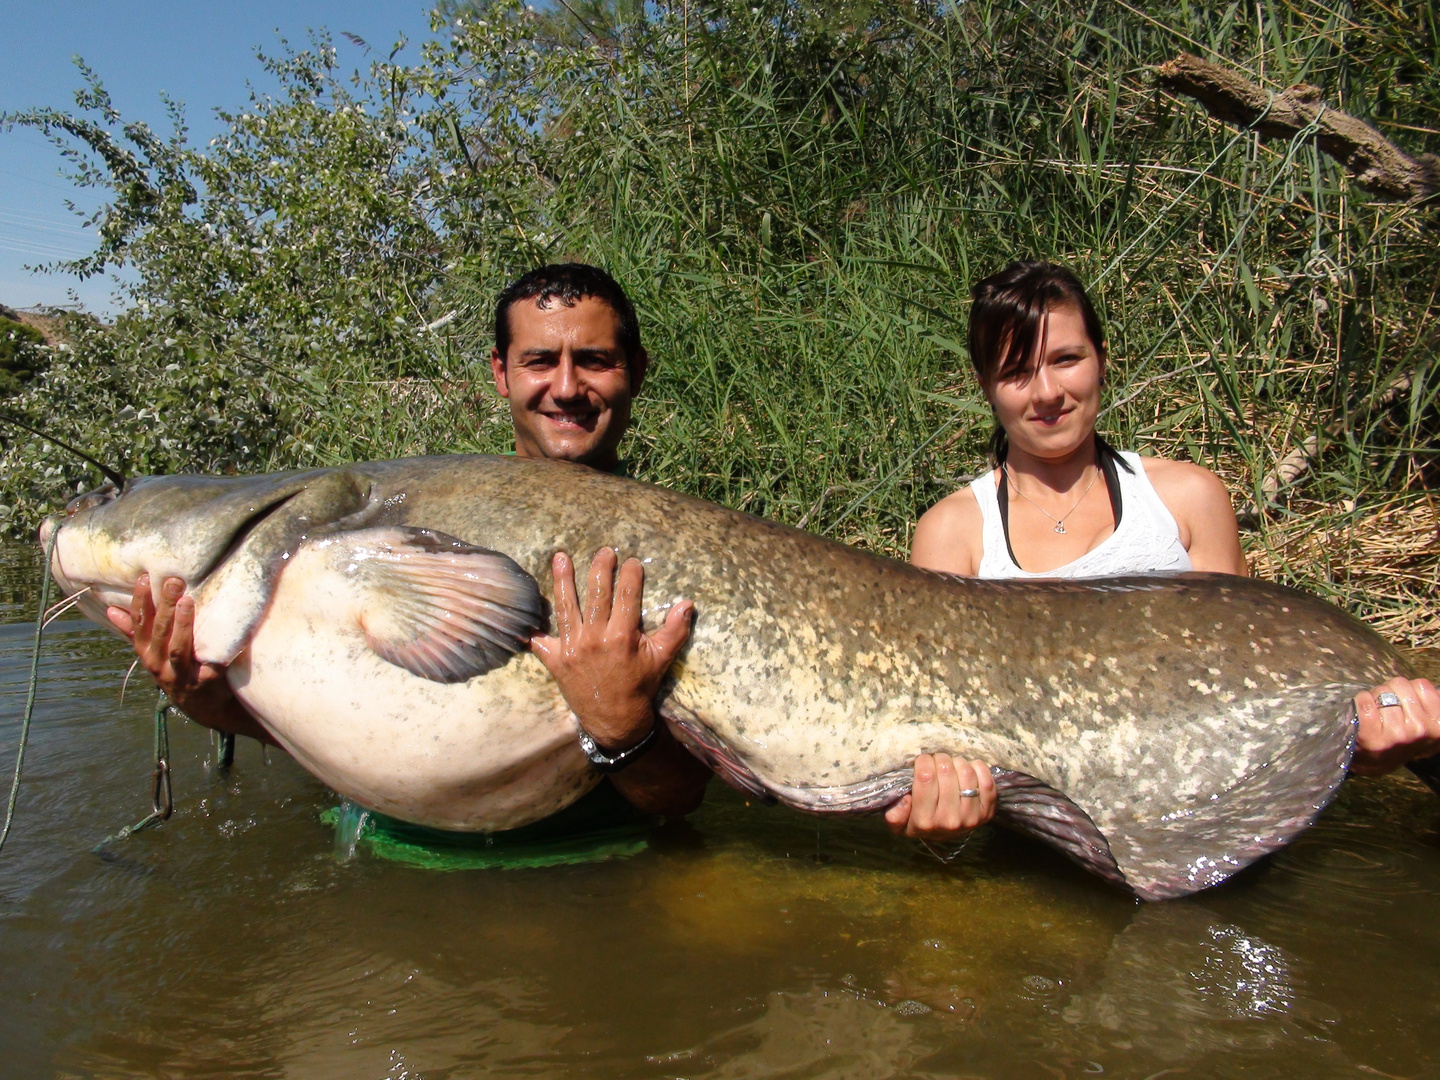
(1060, 521)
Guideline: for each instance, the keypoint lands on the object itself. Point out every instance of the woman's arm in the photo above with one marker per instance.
(949, 798)
(1201, 507)
(948, 537)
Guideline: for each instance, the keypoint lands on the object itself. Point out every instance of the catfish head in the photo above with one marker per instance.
(227, 538)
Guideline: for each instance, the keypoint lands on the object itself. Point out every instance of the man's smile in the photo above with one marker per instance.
(581, 419)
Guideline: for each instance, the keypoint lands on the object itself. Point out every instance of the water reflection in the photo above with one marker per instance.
(1179, 982)
(837, 1034)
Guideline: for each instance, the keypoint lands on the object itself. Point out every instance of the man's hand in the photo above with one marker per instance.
(163, 635)
(1391, 735)
(935, 809)
(607, 667)
(609, 670)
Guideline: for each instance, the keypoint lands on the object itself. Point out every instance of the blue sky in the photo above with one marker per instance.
(201, 53)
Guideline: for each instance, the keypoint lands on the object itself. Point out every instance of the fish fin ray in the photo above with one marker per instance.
(692, 733)
(1202, 843)
(441, 608)
(1033, 806)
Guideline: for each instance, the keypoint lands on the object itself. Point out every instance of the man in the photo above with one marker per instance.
(568, 359)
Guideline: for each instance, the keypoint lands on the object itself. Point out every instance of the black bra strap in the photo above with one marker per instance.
(1108, 458)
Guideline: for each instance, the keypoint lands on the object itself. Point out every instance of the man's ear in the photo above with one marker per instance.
(637, 365)
(497, 369)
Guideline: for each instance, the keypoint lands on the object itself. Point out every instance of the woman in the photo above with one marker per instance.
(1061, 503)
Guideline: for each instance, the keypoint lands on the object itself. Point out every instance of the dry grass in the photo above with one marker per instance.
(1383, 563)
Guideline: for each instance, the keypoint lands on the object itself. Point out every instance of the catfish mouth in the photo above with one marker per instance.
(100, 594)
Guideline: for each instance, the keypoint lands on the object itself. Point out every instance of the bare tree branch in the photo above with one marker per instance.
(1375, 163)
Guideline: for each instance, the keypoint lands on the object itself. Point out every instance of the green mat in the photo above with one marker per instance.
(601, 825)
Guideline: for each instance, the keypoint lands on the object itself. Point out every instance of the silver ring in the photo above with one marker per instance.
(1387, 698)
(969, 793)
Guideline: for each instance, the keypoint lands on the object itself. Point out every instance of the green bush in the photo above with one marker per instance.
(22, 355)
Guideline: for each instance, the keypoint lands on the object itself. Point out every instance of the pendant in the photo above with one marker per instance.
(1060, 527)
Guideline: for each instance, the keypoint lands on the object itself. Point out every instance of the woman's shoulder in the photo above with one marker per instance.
(1200, 504)
(1184, 484)
(949, 536)
(957, 508)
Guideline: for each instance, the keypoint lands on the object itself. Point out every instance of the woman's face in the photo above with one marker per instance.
(1049, 410)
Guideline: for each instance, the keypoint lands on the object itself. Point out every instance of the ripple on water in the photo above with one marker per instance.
(1374, 846)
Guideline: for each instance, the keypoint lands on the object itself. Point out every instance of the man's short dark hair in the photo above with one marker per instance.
(568, 283)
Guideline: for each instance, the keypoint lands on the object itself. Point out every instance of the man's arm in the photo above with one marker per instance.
(609, 670)
(163, 636)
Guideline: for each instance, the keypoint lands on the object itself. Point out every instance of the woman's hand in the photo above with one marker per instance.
(1391, 735)
(950, 798)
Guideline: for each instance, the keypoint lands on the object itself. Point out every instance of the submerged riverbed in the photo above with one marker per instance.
(748, 942)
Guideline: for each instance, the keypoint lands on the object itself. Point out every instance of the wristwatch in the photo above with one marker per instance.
(610, 763)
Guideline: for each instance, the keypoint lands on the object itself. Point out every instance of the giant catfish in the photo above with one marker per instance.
(1162, 731)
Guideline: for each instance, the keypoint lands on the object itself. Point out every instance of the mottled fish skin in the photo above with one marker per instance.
(1163, 731)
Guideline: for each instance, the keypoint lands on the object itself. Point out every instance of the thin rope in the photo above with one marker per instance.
(30, 691)
(162, 796)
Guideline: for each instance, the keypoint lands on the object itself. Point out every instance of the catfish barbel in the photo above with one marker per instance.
(1162, 731)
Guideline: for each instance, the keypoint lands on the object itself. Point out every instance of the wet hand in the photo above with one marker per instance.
(935, 809)
(164, 637)
(1391, 735)
(607, 667)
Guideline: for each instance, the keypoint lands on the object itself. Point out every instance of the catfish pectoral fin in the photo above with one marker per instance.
(440, 608)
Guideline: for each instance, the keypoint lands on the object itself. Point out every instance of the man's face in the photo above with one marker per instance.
(567, 381)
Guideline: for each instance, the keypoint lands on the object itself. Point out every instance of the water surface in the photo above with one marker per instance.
(748, 942)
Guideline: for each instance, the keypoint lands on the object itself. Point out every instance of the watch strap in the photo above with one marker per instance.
(609, 763)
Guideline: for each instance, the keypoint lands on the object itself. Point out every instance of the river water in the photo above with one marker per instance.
(232, 941)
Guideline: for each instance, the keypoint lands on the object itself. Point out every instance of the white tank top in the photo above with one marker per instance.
(1147, 540)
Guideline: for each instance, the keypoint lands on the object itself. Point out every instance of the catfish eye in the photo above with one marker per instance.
(91, 499)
